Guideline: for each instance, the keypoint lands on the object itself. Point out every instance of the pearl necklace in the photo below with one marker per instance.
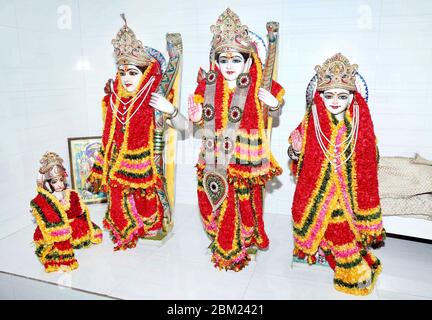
(145, 90)
(351, 140)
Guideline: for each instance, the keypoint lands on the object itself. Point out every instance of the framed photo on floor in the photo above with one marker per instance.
(82, 152)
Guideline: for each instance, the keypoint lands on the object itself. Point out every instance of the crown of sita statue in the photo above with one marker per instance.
(51, 167)
(229, 33)
(128, 49)
(336, 72)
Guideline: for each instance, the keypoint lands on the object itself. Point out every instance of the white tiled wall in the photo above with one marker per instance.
(56, 56)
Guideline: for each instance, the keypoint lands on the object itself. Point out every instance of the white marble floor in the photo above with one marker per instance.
(181, 269)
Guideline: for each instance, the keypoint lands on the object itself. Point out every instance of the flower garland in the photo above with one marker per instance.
(260, 237)
(50, 217)
(93, 234)
(238, 223)
(302, 194)
(61, 228)
(138, 225)
(134, 165)
(228, 249)
(137, 164)
(327, 196)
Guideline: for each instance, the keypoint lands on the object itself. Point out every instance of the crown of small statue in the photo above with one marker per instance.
(52, 166)
(128, 49)
(336, 72)
(229, 33)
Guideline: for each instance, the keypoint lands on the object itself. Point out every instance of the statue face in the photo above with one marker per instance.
(336, 100)
(231, 64)
(58, 184)
(130, 76)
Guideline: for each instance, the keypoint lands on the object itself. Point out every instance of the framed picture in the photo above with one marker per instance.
(82, 151)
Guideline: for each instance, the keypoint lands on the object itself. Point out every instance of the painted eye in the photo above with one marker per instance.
(328, 96)
(237, 60)
(133, 73)
(343, 97)
(122, 74)
(223, 61)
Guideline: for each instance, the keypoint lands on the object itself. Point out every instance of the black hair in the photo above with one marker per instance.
(245, 56)
(142, 68)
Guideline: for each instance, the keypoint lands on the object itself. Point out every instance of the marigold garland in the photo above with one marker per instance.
(329, 199)
(231, 226)
(126, 168)
(61, 228)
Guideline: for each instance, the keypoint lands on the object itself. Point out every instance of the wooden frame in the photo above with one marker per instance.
(81, 150)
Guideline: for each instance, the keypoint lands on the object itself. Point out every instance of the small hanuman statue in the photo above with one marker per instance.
(63, 220)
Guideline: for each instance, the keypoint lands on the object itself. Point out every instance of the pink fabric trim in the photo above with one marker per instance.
(318, 225)
(135, 211)
(374, 227)
(346, 253)
(98, 158)
(135, 166)
(340, 175)
(60, 232)
(249, 151)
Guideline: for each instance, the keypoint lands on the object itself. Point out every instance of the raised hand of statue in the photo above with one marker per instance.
(161, 103)
(267, 98)
(297, 140)
(194, 109)
(107, 88)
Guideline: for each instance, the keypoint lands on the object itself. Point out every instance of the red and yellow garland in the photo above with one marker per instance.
(347, 197)
(134, 166)
(238, 223)
(125, 166)
(361, 172)
(62, 228)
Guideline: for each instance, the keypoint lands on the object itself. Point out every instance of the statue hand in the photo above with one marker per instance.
(266, 97)
(194, 110)
(160, 103)
(297, 140)
(107, 88)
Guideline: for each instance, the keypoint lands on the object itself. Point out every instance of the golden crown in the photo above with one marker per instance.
(229, 33)
(336, 72)
(128, 49)
(51, 167)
